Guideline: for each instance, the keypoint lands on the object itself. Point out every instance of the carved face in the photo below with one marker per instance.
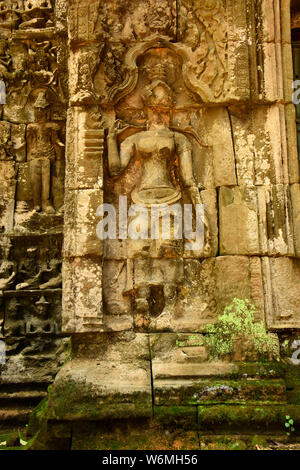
(158, 94)
(42, 114)
(208, 8)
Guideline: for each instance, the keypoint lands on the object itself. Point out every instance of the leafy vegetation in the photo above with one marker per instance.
(238, 336)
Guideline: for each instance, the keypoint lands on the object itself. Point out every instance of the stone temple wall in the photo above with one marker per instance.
(228, 66)
(33, 73)
(186, 102)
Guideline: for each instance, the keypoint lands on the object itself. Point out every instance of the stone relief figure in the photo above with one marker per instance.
(158, 266)
(14, 322)
(5, 58)
(8, 268)
(36, 14)
(45, 154)
(36, 275)
(41, 323)
(10, 12)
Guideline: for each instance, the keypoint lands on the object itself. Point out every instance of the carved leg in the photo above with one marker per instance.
(142, 304)
(46, 180)
(36, 180)
(163, 322)
(142, 307)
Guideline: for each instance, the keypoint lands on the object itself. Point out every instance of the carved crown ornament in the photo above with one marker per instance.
(159, 59)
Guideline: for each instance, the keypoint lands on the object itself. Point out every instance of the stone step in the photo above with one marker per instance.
(191, 369)
(22, 396)
(216, 391)
(165, 370)
(15, 415)
(18, 400)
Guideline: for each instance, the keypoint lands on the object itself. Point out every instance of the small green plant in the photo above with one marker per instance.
(289, 425)
(237, 334)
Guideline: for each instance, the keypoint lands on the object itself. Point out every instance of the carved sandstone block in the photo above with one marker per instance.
(238, 221)
(275, 220)
(239, 277)
(84, 154)
(256, 220)
(281, 284)
(255, 132)
(81, 222)
(114, 288)
(12, 141)
(265, 145)
(291, 144)
(82, 295)
(218, 124)
(109, 373)
(121, 21)
(295, 200)
(7, 194)
(196, 304)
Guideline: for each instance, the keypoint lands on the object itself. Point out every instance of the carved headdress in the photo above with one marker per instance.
(42, 101)
(158, 93)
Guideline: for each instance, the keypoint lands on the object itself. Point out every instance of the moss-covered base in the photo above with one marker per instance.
(189, 424)
(152, 435)
(101, 404)
(144, 435)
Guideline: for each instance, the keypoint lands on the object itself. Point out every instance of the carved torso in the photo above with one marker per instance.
(41, 135)
(155, 149)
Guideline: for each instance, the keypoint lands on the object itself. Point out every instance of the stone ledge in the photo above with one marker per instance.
(95, 390)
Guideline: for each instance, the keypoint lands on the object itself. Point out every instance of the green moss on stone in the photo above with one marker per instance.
(236, 334)
(248, 416)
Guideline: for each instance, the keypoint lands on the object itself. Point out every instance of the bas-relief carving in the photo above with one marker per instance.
(203, 28)
(35, 94)
(150, 160)
(121, 20)
(33, 65)
(118, 70)
(32, 136)
(200, 29)
(26, 14)
(26, 267)
(45, 151)
(30, 305)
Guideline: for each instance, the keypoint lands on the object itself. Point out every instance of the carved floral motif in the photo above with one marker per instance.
(204, 29)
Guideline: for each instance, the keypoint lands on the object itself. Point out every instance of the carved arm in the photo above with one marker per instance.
(117, 162)
(184, 149)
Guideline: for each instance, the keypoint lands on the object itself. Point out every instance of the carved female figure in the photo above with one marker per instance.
(156, 148)
(45, 151)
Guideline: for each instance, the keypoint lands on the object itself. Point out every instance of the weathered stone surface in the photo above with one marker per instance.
(223, 159)
(238, 221)
(82, 295)
(256, 220)
(85, 389)
(115, 384)
(175, 103)
(239, 277)
(81, 238)
(256, 417)
(121, 21)
(8, 189)
(198, 392)
(84, 152)
(295, 199)
(281, 284)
